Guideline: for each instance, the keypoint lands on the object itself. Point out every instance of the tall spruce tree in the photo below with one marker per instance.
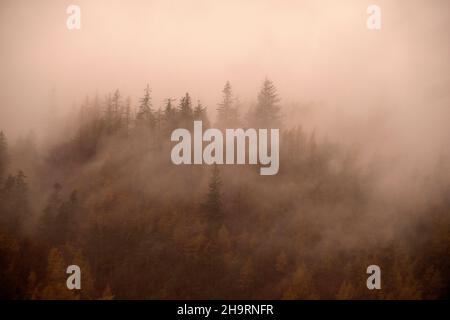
(145, 114)
(200, 114)
(116, 105)
(169, 115)
(185, 111)
(267, 111)
(127, 115)
(227, 113)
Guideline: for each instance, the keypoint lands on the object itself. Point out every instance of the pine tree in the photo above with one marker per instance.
(227, 113)
(223, 110)
(127, 115)
(185, 111)
(145, 116)
(170, 114)
(116, 105)
(200, 114)
(266, 114)
(169, 110)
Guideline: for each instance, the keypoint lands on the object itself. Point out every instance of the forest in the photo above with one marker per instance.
(105, 196)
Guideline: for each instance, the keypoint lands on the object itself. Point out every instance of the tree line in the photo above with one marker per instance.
(107, 198)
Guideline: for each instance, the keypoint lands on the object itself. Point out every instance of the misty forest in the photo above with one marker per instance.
(103, 194)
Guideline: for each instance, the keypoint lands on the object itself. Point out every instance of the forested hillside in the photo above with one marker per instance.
(107, 197)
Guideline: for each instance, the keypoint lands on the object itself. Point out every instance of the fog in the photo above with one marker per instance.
(315, 51)
(385, 91)
(379, 97)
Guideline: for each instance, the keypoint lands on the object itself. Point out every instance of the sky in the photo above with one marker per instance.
(316, 52)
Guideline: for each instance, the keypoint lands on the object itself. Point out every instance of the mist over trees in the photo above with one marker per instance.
(106, 197)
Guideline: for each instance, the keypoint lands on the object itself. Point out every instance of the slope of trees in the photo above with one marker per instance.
(108, 199)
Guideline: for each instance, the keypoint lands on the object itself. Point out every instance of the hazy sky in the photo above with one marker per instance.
(314, 51)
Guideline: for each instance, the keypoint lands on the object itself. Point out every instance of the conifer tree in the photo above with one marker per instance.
(145, 114)
(200, 114)
(170, 114)
(116, 105)
(266, 114)
(227, 113)
(185, 111)
(127, 115)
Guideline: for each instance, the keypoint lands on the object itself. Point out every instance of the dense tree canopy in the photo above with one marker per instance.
(107, 198)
